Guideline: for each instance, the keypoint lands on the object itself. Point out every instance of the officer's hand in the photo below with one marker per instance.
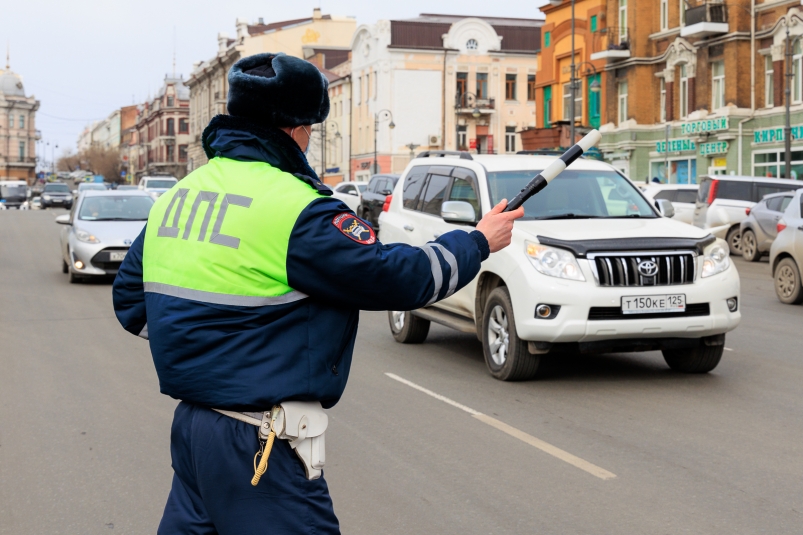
(497, 226)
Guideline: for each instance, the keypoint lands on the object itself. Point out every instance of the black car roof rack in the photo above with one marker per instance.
(541, 152)
(433, 153)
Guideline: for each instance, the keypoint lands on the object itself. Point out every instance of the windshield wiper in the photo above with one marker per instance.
(631, 216)
(118, 219)
(570, 216)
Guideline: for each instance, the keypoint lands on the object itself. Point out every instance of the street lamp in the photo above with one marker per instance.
(391, 125)
(324, 126)
(571, 79)
(790, 74)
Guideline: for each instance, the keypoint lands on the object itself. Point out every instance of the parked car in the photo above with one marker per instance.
(373, 198)
(156, 185)
(88, 186)
(593, 267)
(13, 193)
(722, 201)
(758, 230)
(99, 231)
(126, 187)
(786, 253)
(56, 194)
(350, 193)
(682, 196)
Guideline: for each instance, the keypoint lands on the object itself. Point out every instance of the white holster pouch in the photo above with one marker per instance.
(303, 424)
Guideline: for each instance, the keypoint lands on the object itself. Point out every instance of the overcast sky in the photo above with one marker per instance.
(84, 58)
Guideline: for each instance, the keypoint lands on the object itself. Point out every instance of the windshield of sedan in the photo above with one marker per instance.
(91, 187)
(115, 208)
(56, 188)
(573, 195)
(161, 184)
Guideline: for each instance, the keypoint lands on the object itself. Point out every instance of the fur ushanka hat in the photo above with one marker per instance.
(278, 90)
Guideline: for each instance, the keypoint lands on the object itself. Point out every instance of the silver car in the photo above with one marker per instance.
(99, 231)
(786, 253)
(760, 228)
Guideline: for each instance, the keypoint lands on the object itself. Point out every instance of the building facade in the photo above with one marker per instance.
(320, 34)
(442, 82)
(700, 88)
(18, 133)
(160, 141)
(330, 148)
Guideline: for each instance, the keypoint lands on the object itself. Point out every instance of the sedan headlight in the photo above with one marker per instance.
(553, 262)
(716, 260)
(86, 237)
(46, 197)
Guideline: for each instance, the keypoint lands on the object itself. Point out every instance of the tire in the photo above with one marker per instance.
(506, 356)
(750, 250)
(787, 282)
(407, 328)
(64, 267)
(74, 279)
(701, 359)
(734, 239)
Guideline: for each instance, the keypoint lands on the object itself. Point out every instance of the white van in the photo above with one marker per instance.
(156, 185)
(13, 193)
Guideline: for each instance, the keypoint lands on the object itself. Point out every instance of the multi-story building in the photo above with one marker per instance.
(332, 163)
(552, 83)
(440, 81)
(18, 133)
(327, 35)
(698, 87)
(160, 144)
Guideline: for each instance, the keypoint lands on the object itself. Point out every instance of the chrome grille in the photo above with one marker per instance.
(622, 269)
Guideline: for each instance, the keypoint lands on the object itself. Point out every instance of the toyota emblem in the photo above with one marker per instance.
(648, 268)
(126, 242)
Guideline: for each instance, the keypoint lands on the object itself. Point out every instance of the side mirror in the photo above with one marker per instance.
(458, 212)
(386, 192)
(665, 207)
(63, 219)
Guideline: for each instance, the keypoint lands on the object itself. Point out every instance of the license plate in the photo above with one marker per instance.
(57, 200)
(652, 304)
(117, 256)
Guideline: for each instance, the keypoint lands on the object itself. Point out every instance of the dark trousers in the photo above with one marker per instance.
(213, 463)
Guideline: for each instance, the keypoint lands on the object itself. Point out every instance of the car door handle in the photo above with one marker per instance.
(409, 228)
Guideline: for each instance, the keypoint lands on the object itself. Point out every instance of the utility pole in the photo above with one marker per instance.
(787, 131)
(572, 87)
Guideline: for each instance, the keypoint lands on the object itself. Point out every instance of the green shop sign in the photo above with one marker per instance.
(775, 135)
(708, 125)
(717, 147)
(680, 144)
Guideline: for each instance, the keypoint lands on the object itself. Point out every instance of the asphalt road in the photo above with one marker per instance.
(84, 431)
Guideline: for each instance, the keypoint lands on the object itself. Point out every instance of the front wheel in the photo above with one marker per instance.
(787, 282)
(734, 239)
(506, 355)
(407, 328)
(64, 267)
(700, 359)
(750, 246)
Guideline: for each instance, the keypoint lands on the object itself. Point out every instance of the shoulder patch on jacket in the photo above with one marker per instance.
(354, 228)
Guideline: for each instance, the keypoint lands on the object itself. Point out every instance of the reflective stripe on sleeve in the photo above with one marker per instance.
(437, 274)
(222, 299)
(452, 261)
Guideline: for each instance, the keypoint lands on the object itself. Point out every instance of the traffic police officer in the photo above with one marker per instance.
(247, 281)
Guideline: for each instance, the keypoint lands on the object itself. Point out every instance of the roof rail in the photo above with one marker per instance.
(542, 152)
(433, 153)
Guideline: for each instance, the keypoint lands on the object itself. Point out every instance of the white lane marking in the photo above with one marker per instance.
(728, 349)
(546, 447)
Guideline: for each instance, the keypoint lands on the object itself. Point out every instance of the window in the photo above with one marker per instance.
(412, 187)
(357, 92)
(510, 87)
(10, 121)
(682, 12)
(688, 196)
(547, 39)
(593, 23)
(622, 102)
(567, 101)
(594, 107)
(22, 121)
(684, 92)
(463, 190)
(22, 151)
(461, 138)
(510, 139)
(797, 63)
(737, 191)
(774, 204)
(182, 153)
(786, 201)
(769, 82)
(170, 102)
(547, 106)
(667, 194)
(433, 198)
(171, 129)
(171, 153)
(663, 101)
(482, 85)
(622, 21)
(771, 165)
(472, 44)
(717, 85)
(664, 14)
(530, 87)
(462, 83)
(183, 127)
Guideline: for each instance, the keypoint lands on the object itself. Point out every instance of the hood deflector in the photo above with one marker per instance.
(581, 248)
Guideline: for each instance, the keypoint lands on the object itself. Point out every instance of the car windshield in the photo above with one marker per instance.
(91, 187)
(162, 184)
(56, 188)
(116, 208)
(126, 187)
(13, 190)
(573, 195)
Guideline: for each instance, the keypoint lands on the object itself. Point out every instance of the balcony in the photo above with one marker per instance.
(611, 44)
(706, 20)
(469, 105)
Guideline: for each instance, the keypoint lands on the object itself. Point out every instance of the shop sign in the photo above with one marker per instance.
(775, 135)
(717, 147)
(707, 125)
(720, 162)
(680, 144)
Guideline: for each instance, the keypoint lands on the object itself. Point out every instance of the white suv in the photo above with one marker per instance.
(593, 266)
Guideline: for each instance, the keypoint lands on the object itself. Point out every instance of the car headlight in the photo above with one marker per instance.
(716, 260)
(46, 197)
(553, 262)
(86, 237)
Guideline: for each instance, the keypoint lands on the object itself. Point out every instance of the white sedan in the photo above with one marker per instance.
(350, 193)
